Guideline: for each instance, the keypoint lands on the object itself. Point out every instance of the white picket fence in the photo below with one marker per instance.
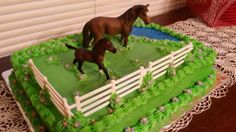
(99, 98)
(158, 67)
(59, 101)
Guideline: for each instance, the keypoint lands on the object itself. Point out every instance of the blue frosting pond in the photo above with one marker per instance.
(152, 33)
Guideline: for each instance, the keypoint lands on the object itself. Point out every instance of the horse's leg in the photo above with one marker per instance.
(125, 40)
(121, 38)
(86, 45)
(80, 67)
(74, 61)
(96, 38)
(101, 66)
(90, 38)
(100, 69)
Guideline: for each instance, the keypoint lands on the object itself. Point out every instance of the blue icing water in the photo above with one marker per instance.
(152, 33)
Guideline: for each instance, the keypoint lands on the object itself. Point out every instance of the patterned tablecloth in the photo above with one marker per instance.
(222, 39)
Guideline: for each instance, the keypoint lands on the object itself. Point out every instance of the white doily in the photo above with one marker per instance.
(223, 40)
(11, 119)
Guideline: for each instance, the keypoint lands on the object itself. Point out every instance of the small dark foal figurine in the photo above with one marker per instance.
(96, 55)
(123, 24)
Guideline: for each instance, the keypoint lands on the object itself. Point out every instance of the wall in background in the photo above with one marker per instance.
(27, 22)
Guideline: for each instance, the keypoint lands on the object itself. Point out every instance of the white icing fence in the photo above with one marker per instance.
(59, 101)
(99, 98)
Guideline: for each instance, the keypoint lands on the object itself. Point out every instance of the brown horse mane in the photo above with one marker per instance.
(131, 14)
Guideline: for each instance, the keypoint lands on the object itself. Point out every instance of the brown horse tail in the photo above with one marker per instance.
(86, 35)
(71, 47)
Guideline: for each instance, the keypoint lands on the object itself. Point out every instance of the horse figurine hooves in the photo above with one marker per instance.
(108, 81)
(101, 72)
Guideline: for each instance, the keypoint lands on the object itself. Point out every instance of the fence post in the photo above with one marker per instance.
(142, 73)
(30, 61)
(45, 81)
(172, 65)
(66, 110)
(77, 101)
(172, 57)
(113, 86)
(150, 64)
(191, 46)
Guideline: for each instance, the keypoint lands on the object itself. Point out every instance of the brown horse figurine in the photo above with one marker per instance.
(96, 55)
(123, 25)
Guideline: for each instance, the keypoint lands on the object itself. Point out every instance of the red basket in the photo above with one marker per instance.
(215, 12)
